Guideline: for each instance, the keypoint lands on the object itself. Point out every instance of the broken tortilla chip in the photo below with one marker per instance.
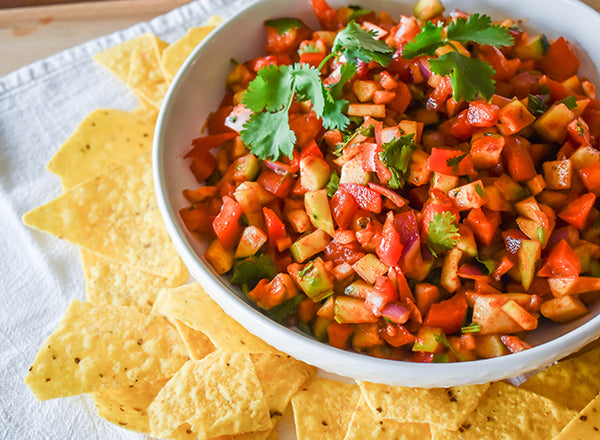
(174, 55)
(364, 426)
(97, 347)
(218, 395)
(323, 409)
(115, 215)
(128, 406)
(446, 407)
(104, 138)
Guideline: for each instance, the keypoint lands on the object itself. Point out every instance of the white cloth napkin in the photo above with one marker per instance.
(40, 106)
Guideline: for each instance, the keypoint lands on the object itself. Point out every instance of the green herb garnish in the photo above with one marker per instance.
(570, 102)
(470, 77)
(471, 328)
(396, 157)
(249, 271)
(442, 233)
(454, 161)
(285, 24)
(333, 184)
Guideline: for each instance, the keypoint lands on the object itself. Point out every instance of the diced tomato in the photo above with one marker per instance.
(226, 224)
(484, 224)
(503, 67)
(562, 262)
(396, 335)
(440, 94)
(339, 334)
(425, 295)
(343, 208)
(512, 240)
(275, 227)
(576, 213)
(216, 120)
(449, 314)
(514, 343)
(312, 58)
(201, 145)
(198, 217)
(451, 162)
(364, 196)
(277, 184)
(284, 42)
(460, 127)
(203, 165)
(326, 15)
(307, 309)
(391, 195)
(389, 248)
(306, 127)
(340, 253)
(482, 114)
(590, 176)
(559, 61)
(518, 160)
(402, 99)
(270, 60)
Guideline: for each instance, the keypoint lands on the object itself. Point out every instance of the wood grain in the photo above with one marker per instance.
(31, 33)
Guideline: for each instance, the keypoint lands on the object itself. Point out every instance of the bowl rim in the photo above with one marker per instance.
(310, 350)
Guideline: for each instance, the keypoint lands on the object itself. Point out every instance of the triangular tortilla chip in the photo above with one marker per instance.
(218, 395)
(323, 409)
(111, 283)
(174, 55)
(105, 137)
(97, 347)
(115, 215)
(585, 425)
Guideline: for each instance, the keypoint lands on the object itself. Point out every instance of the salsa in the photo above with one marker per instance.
(418, 188)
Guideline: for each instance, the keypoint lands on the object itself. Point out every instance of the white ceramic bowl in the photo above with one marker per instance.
(197, 90)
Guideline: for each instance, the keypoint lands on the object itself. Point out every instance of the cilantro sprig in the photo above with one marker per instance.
(470, 77)
(442, 233)
(396, 157)
(271, 94)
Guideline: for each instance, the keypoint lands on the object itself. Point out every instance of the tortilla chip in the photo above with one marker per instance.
(198, 345)
(145, 77)
(115, 215)
(192, 306)
(117, 59)
(364, 426)
(323, 409)
(110, 283)
(105, 137)
(280, 377)
(127, 406)
(174, 55)
(513, 413)
(446, 407)
(438, 433)
(572, 383)
(218, 395)
(96, 347)
(585, 425)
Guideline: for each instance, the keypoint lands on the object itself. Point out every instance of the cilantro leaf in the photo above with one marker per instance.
(470, 77)
(270, 89)
(454, 161)
(357, 11)
(285, 309)
(489, 265)
(269, 134)
(309, 48)
(570, 102)
(396, 157)
(479, 29)
(249, 271)
(441, 339)
(442, 233)
(308, 85)
(425, 42)
(285, 24)
(347, 72)
(355, 43)
(333, 116)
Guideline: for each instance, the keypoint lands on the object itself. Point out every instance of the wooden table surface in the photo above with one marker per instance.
(31, 33)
